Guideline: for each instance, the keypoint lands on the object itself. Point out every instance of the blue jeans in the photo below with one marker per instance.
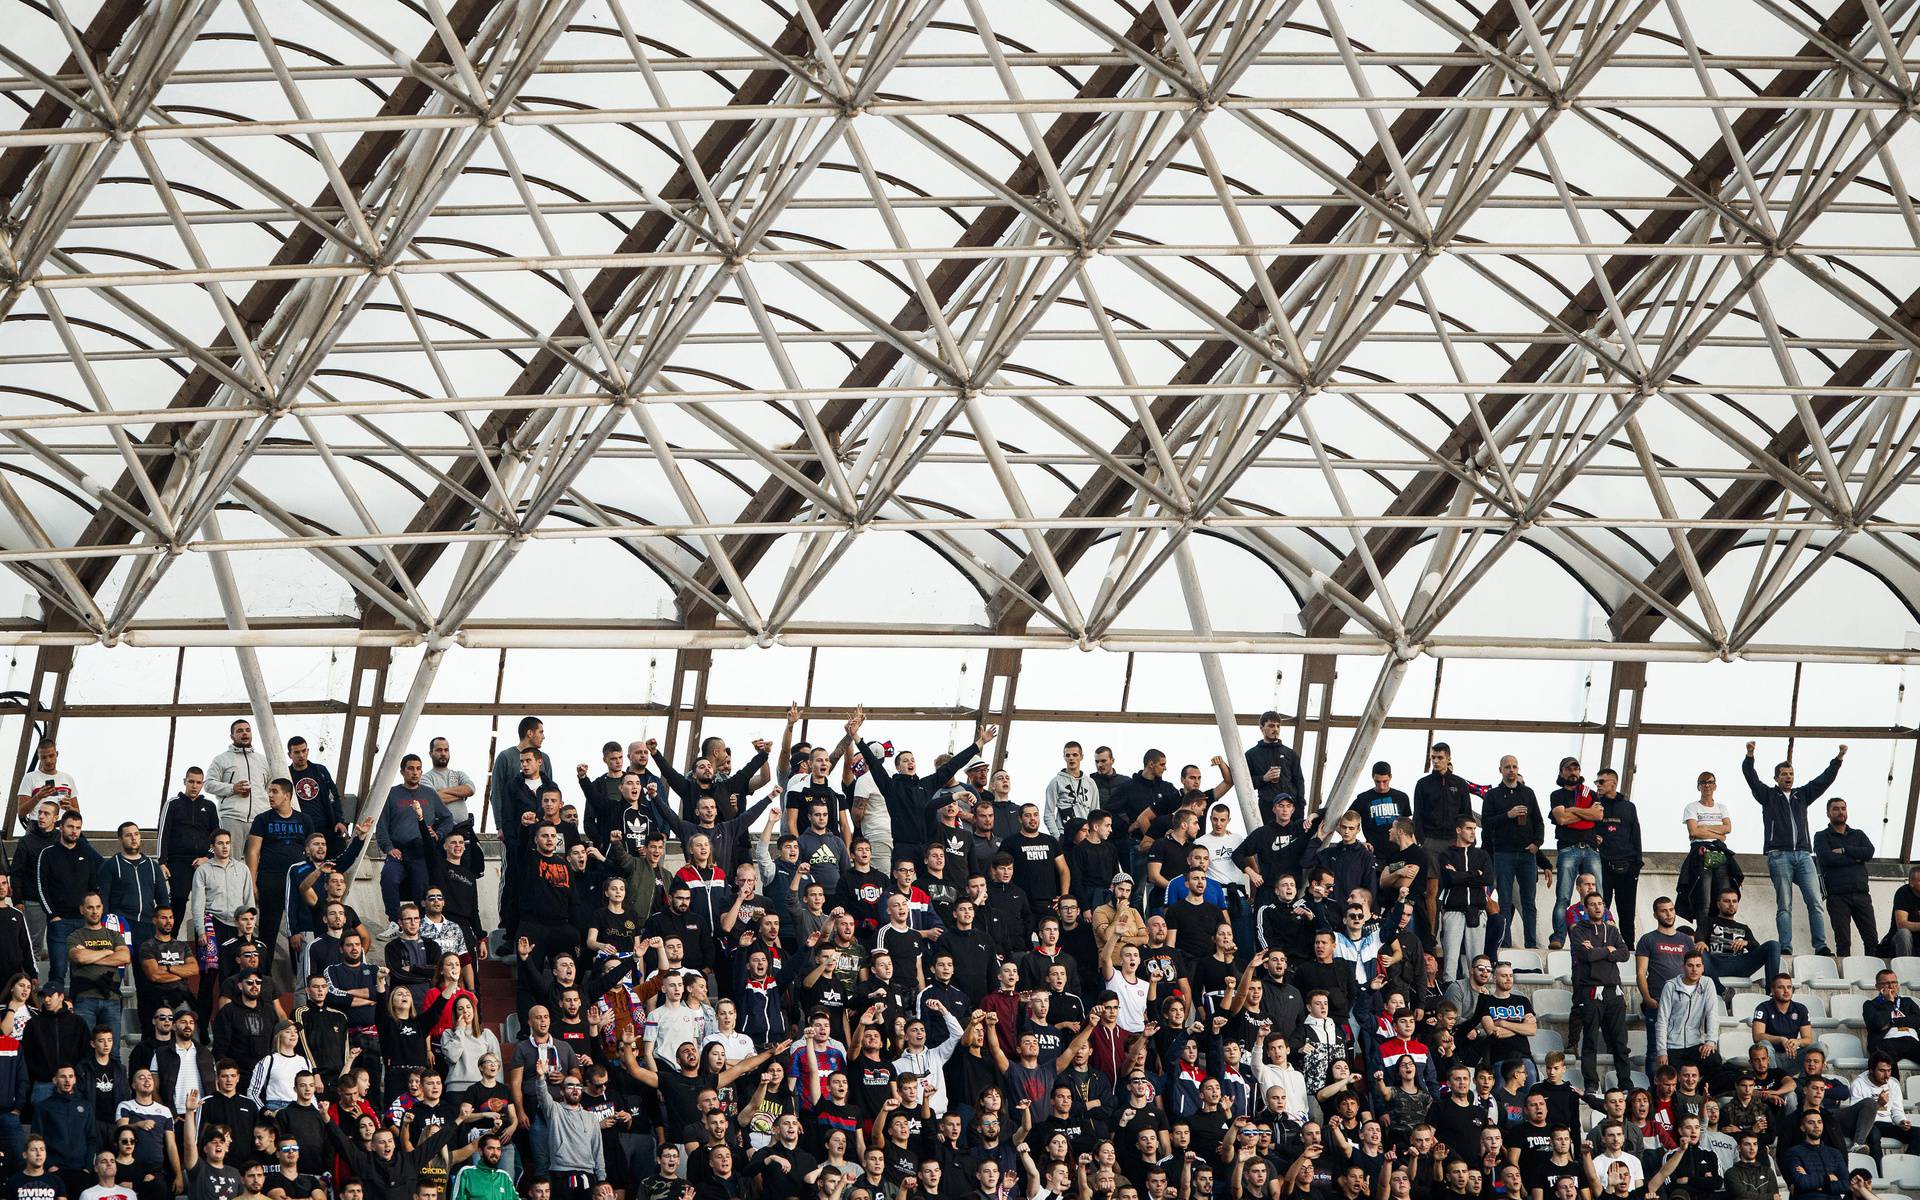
(1513, 880)
(100, 1010)
(402, 879)
(59, 932)
(1789, 869)
(1740, 967)
(1571, 863)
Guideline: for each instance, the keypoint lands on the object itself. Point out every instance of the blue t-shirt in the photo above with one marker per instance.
(1782, 1024)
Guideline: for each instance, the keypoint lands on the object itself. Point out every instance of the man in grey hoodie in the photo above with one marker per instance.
(237, 779)
(574, 1145)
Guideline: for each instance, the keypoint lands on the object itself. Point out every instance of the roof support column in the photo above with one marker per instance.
(410, 710)
(375, 661)
(997, 686)
(1393, 672)
(1223, 713)
(1316, 696)
(258, 698)
(1625, 695)
(45, 696)
(688, 701)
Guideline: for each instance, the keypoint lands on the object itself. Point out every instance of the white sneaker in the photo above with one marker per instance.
(390, 932)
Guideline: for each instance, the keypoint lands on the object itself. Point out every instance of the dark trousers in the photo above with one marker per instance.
(1623, 897)
(1604, 1017)
(1858, 907)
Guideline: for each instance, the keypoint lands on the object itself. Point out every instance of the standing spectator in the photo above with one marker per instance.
(706, 781)
(316, 794)
(276, 840)
(1688, 1016)
(604, 802)
(909, 797)
(1842, 854)
(1789, 843)
(1039, 861)
(1658, 956)
(42, 832)
(1903, 919)
(46, 782)
(505, 789)
(454, 786)
(96, 955)
(413, 812)
(54, 1038)
(187, 824)
(66, 871)
(1274, 765)
(1576, 814)
(1510, 814)
(222, 887)
(131, 884)
(1710, 867)
(1620, 856)
(1069, 795)
(65, 1119)
(1379, 807)
(1465, 876)
(16, 942)
(238, 778)
(166, 973)
(1598, 950)
(1439, 801)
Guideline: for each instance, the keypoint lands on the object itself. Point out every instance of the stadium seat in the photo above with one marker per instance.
(1637, 1035)
(1901, 1170)
(1637, 1078)
(1907, 967)
(1546, 1042)
(1734, 1043)
(1553, 1004)
(1525, 962)
(1844, 1051)
(1560, 966)
(1857, 971)
(1744, 1003)
(1913, 1088)
(1817, 1010)
(1848, 1011)
(1811, 969)
(1864, 1162)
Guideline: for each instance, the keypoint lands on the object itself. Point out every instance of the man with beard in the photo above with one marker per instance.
(706, 781)
(169, 974)
(1276, 849)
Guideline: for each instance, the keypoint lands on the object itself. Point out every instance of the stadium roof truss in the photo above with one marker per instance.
(1021, 295)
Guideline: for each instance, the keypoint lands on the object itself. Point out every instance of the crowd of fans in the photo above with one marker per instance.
(854, 980)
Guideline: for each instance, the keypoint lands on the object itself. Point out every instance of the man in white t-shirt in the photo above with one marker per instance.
(46, 782)
(1221, 842)
(104, 1166)
(1613, 1149)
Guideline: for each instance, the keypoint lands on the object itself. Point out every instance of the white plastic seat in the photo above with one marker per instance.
(1734, 1044)
(1546, 1042)
(1913, 1088)
(1857, 971)
(1553, 1004)
(1844, 1051)
(1907, 967)
(1812, 968)
(1816, 1006)
(1637, 1041)
(1525, 962)
(1848, 1011)
(1901, 1170)
(1744, 1004)
(1864, 1162)
(1559, 966)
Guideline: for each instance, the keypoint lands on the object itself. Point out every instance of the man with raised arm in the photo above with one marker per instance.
(1788, 842)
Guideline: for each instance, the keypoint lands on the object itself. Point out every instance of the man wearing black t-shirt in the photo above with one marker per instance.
(782, 1167)
(1503, 1020)
(1456, 1119)
(1733, 952)
(1903, 921)
(1193, 920)
(1039, 862)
